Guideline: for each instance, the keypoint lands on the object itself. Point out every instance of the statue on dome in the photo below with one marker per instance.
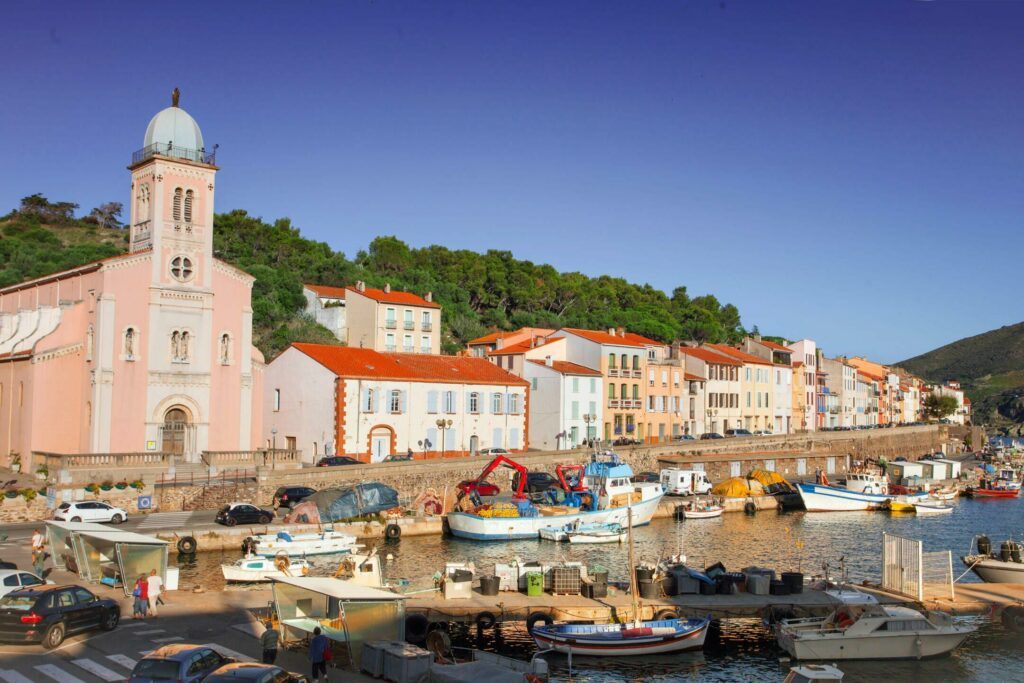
(175, 96)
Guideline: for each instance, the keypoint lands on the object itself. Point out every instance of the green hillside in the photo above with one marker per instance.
(478, 292)
(991, 368)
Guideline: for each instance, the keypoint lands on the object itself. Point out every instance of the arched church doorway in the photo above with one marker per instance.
(176, 421)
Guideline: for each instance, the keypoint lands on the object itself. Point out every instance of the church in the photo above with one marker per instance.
(147, 351)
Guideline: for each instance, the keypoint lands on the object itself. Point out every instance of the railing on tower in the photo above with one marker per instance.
(167, 149)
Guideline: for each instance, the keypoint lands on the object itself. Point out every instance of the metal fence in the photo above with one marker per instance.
(906, 568)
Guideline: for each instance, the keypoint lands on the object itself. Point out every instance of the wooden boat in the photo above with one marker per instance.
(929, 507)
(700, 510)
(901, 504)
(871, 632)
(992, 490)
(254, 569)
(584, 533)
(327, 542)
(617, 640)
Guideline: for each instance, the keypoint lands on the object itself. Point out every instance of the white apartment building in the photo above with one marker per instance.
(565, 403)
(335, 400)
(721, 389)
(805, 351)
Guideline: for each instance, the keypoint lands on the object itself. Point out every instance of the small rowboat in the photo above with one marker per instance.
(254, 569)
(932, 508)
(598, 533)
(901, 504)
(992, 493)
(701, 511)
(617, 640)
(944, 494)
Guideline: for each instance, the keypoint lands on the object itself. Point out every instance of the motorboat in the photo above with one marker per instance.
(637, 638)
(867, 482)
(932, 507)
(813, 673)
(327, 542)
(901, 504)
(823, 498)
(256, 569)
(945, 494)
(698, 509)
(1004, 567)
(605, 494)
(871, 632)
(584, 533)
(1000, 488)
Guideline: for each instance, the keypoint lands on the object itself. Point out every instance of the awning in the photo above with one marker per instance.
(336, 588)
(100, 554)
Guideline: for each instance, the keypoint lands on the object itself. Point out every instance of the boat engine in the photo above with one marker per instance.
(1015, 551)
(984, 546)
(1006, 550)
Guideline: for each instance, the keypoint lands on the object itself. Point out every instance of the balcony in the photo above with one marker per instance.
(199, 156)
(426, 326)
(390, 347)
(408, 325)
(613, 403)
(408, 348)
(637, 374)
(424, 349)
(142, 227)
(390, 324)
(613, 372)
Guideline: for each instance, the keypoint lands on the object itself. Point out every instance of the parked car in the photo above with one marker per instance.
(333, 460)
(626, 441)
(738, 432)
(398, 457)
(484, 488)
(536, 484)
(493, 451)
(181, 662)
(243, 513)
(900, 459)
(684, 437)
(89, 511)
(653, 477)
(47, 614)
(13, 579)
(287, 496)
(710, 435)
(761, 432)
(253, 673)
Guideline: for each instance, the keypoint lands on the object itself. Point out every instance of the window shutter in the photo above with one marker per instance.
(468, 404)
(501, 403)
(363, 400)
(513, 438)
(432, 438)
(376, 401)
(431, 402)
(402, 400)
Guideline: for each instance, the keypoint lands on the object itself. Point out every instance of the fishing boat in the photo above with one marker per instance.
(327, 542)
(255, 569)
(932, 507)
(1005, 567)
(632, 638)
(901, 504)
(584, 533)
(821, 498)
(698, 509)
(945, 494)
(606, 495)
(998, 488)
(871, 632)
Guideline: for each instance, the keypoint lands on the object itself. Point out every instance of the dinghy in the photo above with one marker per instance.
(327, 542)
(583, 533)
(700, 510)
(254, 569)
(930, 507)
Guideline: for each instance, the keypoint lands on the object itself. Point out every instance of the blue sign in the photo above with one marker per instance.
(145, 502)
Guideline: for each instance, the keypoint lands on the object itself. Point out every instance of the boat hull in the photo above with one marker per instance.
(474, 527)
(996, 571)
(701, 514)
(597, 538)
(304, 545)
(235, 574)
(588, 640)
(933, 508)
(907, 645)
(818, 498)
(993, 493)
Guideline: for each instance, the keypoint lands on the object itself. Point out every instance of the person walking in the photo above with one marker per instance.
(38, 561)
(154, 585)
(318, 647)
(38, 540)
(268, 641)
(141, 595)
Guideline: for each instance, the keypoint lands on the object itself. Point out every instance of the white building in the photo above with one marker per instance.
(565, 403)
(335, 400)
(326, 305)
(721, 389)
(806, 352)
(962, 415)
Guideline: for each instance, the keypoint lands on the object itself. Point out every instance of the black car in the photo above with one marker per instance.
(243, 513)
(332, 460)
(626, 441)
(536, 484)
(710, 435)
(48, 614)
(253, 673)
(287, 496)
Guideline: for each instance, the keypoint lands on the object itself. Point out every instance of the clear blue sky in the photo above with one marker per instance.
(845, 171)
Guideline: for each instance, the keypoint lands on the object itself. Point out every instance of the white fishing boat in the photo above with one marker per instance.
(602, 533)
(698, 509)
(327, 542)
(607, 494)
(821, 498)
(255, 569)
(932, 507)
(1006, 566)
(871, 632)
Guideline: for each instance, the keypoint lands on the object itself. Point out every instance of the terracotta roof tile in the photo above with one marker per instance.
(567, 368)
(599, 337)
(521, 347)
(708, 356)
(394, 297)
(740, 355)
(773, 345)
(356, 363)
(326, 291)
(503, 334)
(695, 378)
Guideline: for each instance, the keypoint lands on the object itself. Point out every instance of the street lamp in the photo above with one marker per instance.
(712, 412)
(587, 419)
(443, 424)
(273, 439)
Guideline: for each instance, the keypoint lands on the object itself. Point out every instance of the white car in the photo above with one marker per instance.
(89, 511)
(16, 579)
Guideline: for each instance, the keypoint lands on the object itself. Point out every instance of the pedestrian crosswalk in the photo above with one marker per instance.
(97, 669)
(165, 520)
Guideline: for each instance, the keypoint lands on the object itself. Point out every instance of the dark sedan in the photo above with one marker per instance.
(253, 673)
(333, 460)
(47, 614)
(180, 662)
(287, 496)
(243, 513)
(710, 435)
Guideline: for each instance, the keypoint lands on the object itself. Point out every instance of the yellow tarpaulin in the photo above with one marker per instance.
(732, 488)
(767, 478)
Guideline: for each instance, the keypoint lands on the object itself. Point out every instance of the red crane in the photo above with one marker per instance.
(495, 464)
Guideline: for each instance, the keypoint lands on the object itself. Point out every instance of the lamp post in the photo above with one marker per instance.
(712, 412)
(273, 439)
(443, 424)
(587, 419)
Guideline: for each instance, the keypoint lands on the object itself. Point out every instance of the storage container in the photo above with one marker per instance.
(508, 574)
(779, 588)
(405, 663)
(458, 590)
(171, 584)
(595, 590)
(795, 581)
(373, 657)
(534, 584)
(650, 590)
(758, 584)
(684, 583)
(709, 588)
(489, 585)
(566, 580)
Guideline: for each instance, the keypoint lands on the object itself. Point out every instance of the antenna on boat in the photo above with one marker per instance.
(632, 570)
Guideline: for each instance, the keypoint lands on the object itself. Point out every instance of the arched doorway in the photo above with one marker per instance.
(175, 426)
(474, 445)
(381, 443)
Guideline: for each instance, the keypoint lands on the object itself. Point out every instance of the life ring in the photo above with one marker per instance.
(392, 532)
(750, 508)
(665, 614)
(485, 620)
(534, 617)
(187, 545)
(282, 562)
(1013, 618)
(416, 627)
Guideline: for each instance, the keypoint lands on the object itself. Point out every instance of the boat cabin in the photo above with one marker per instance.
(866, 482)
(611, 480)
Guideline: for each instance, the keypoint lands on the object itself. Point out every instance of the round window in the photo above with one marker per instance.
(181, 268)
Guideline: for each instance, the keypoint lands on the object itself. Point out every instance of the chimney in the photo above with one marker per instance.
(548, 361)
(360, 286)
(611, 331)
(622, 331)
(428, 297)
(757, 337)
(387, 287)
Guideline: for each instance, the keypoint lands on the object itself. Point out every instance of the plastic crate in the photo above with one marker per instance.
(566, 580)
(405, 663)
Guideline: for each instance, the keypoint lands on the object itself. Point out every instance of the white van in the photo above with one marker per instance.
(684, 482)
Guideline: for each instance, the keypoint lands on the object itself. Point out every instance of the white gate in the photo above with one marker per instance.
(906, 567)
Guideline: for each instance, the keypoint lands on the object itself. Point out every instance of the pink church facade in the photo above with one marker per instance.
(147, 351)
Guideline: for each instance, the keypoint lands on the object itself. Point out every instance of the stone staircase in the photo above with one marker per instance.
(215, 496)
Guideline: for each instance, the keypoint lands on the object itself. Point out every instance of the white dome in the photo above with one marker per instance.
(175, 132)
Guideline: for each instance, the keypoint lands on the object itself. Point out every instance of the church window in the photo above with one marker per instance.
(188, 206)
(181, 268)
(176, 205)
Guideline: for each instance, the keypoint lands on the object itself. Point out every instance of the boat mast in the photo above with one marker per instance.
(632, 570)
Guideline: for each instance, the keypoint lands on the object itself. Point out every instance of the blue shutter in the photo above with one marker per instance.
(497, 441)
(513, 438)
(376, 400)
(449, 439)
(501, 403)
(402, 401)
(455, 402)
(432, 402)
(467, 401)
(432, 438)
(363, 399)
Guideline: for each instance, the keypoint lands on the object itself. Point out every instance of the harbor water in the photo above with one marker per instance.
(744, 650)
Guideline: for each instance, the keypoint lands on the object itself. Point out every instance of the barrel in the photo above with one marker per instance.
(649, 590)
(795, 581)
(534, 584)
(489, 585)
(1006, 551)
(707, 588)
(984, 546)
(778, 588)
(1015, 552)
(644, 573)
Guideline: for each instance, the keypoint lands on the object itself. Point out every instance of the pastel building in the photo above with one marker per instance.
(721, 375)
(565, 403)
(781, 358)
(805, 351)
(756, 390)
(147, 351)
(336, 400)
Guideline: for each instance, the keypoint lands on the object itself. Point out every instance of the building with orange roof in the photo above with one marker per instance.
(756, 389)
(721, 397)
(565, 402)
(336, 400)
(781, 358)
(492, 341)
(805, 405)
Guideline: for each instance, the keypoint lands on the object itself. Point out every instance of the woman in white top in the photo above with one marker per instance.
(155, 586)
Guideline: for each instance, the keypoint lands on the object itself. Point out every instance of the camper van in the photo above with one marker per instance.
(684, 482)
